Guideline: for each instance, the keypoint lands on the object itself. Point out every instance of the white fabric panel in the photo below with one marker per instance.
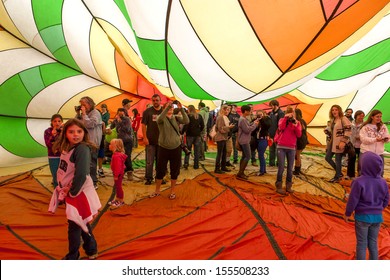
(77, 23)
(159, 77)
(198, 62)
(8, 159)
(369, 96)
(148, 17)
(24, 21)
(36, 128)
(330, 89)
(109, 11)
(380, 32)
(53, 97)
(17, 60)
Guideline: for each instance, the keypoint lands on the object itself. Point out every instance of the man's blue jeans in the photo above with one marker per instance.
(367, 236)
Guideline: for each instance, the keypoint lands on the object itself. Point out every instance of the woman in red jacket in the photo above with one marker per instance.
(289, 129)
(136, 122)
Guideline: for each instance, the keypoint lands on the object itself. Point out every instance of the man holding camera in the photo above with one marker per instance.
(92, 120)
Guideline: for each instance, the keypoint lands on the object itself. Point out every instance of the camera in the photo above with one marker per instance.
(185, 149)
(292, 120)
(58, 130)
(175, 102)
(77, 108)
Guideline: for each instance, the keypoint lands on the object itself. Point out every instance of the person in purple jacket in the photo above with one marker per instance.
(50, 135)
(369, 196)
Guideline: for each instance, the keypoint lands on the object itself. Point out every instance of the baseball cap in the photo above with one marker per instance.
(126, 101)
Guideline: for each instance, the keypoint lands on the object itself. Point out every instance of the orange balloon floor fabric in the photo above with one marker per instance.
(214, 217)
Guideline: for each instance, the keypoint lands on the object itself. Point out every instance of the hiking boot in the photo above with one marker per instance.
(279, 188)
(148, 182)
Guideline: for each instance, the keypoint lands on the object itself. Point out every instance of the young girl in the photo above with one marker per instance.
(368, 198)
(75, 186)
(118, 170)
(51, 134)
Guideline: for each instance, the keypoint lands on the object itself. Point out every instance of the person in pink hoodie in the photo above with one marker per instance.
(118, 170)
(289, 129)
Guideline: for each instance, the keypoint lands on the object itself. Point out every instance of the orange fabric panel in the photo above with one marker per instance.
(341, 28)
(281, 24)
(126, 74)
(212, 218)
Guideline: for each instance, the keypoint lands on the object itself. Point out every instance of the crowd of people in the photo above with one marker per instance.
(78, 148)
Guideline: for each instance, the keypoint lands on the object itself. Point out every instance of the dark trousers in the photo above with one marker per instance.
(93, 166)
(220, 161)
(89, 242)
(174, 158)
(128, 150)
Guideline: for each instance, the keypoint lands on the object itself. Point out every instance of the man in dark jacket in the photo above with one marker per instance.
(275, 115)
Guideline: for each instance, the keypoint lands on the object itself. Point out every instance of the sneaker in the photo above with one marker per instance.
(254, 164)
(101, 173)
(163, 182)
(235, 161)
(185, 166)
(117, 204)
(228, 164)
(93, 257)
(95, 187)
(112, 202)
(148, 182)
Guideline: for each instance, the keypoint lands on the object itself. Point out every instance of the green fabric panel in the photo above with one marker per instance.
(47, 13)
(17, 140)
(48, 18)
(64, 56)
(383, 106)
(121, 5)
(183, 79)
(32, 80)
(53, 37)
(153, 53)
(55, 72)
(12, 93)
(358, 63)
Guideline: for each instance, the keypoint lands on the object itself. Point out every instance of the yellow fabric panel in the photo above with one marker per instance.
(125, 49)
(102, 53)
(98, 94)
(242, 57)
(8, 42)
(315, 64)
(7, 23)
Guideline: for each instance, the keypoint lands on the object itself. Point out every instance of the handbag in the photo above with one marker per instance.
(213, 132)
(349, 149)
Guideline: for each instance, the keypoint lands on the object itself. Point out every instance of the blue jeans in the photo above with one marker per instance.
(53, 164)
(196, 141)
(262, 145)
(151, 157)
(367, 236)
(89, 242)
(282, 154)
(336, 165)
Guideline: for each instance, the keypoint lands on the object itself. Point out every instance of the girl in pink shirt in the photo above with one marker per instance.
(118, 170)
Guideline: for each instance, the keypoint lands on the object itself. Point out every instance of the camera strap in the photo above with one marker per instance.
(173, 127)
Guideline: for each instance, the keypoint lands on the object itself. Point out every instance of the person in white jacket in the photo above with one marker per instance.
(374, 134)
